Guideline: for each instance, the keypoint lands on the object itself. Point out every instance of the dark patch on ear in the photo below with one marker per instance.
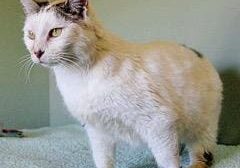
(208, 156)
(43, 4)
(200, 55)
(73, 9)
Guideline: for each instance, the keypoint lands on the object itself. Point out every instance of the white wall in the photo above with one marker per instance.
(212, 27)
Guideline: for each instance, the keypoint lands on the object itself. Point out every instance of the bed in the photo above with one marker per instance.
(67, 147)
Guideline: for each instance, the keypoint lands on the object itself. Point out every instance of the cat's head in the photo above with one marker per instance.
(57, 34)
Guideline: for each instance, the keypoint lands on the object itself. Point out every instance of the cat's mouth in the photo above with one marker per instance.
(45, 62)
(52, 61)
(48, 64)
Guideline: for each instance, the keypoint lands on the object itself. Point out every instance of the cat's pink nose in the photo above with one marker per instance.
(39, 53)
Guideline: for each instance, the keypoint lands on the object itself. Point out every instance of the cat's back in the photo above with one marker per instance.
(177, 63)
(181, 74)
(169, 64)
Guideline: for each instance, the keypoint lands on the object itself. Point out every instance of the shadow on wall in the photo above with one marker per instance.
(229, 130)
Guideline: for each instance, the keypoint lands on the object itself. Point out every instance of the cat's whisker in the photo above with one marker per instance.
(29, 72)
(72, 58)
(28, 67)
(24, 68)
(56, 60)
(24, 60)
(69, 65)
(24, 57)
(71, 62)
(66, 55)
(61, 63)
(24, 65)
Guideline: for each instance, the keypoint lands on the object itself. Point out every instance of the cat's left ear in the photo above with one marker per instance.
(30, 6)
(78, 8)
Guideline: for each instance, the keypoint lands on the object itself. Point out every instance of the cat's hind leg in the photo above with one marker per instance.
(164, 146)
(200, 153)
(201, 159)
(202, 143)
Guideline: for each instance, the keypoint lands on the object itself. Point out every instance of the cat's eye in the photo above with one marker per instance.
(31, 35)
(55, 32)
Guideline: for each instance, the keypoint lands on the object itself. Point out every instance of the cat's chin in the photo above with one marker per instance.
(48, 65)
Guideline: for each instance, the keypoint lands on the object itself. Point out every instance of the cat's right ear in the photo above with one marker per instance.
(30, 6)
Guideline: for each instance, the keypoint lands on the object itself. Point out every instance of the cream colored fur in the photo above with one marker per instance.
(158, 94)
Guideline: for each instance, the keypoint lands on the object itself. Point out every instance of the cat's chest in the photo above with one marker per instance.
(84, 95)
(80, 91)
(105, 104)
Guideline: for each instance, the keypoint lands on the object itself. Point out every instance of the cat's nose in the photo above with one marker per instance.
(39, 53)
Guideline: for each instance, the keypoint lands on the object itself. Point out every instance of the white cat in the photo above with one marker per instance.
(159, 94)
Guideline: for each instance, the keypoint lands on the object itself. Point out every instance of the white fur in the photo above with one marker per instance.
(159, 94)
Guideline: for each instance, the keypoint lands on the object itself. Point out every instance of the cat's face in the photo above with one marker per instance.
(53, 34)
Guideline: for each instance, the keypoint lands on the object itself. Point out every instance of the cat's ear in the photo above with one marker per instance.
(78, 8)
(30, 6)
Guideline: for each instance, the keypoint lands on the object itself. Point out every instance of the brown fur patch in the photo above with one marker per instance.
(205, 160)
(199, 165)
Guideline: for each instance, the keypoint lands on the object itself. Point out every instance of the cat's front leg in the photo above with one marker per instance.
(103, 148)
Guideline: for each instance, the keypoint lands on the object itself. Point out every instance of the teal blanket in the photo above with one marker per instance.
(67, 147)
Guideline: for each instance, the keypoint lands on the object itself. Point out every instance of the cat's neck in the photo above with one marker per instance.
(101, 44)
(102, 48)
